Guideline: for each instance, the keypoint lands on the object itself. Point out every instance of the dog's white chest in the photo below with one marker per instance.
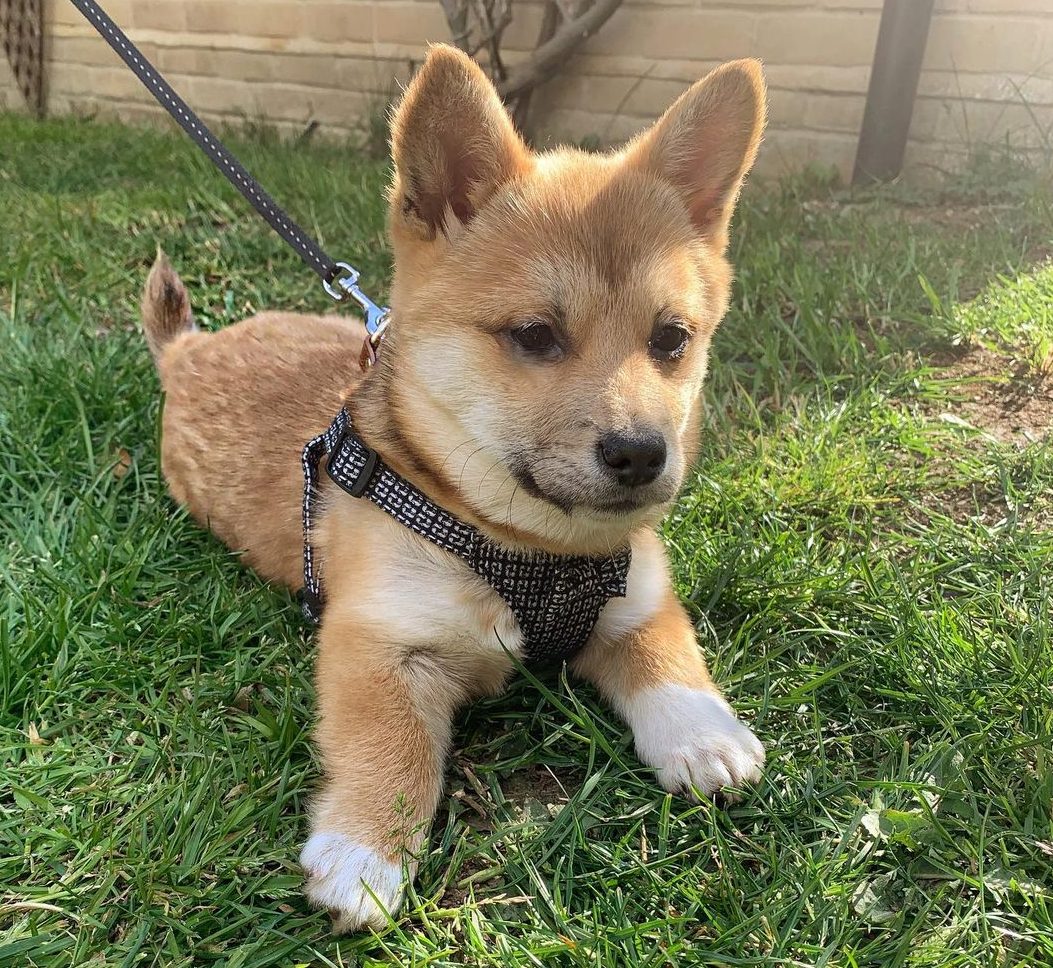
(422, 594)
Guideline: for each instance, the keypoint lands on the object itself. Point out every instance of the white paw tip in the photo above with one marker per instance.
(693, 740)
(349, 879)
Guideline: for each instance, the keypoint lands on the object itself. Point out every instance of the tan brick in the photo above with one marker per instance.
(677, 33)
(106, 82)
(650, 97)
(832, 5)
(409, 23)
(296, 104)
(599, 93)
(829, 112)
(629, 65)
(339, 21)
(927, 115)
(282, 19)
(680, 3)
(214, 17)
(1006, 7)
(278, 19)
(83, 50)
(575, 127)
(184, 60)
(285, 103)
(685, 72)
(240, 65)
(982, 123)
(142, 114)
(830, 39)
(785, 151)
(159, 15)
(374, 74)
(221, 94)
(808, 77)
(345, 108)
(980, 44)
(61, 12)
(1018, 88)
(748, 4)
(794, 110)
(314, 70)
(786, 108)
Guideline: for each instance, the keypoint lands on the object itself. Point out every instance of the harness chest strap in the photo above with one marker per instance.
(556, 599)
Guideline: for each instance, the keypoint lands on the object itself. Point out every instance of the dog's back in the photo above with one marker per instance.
(239, 405)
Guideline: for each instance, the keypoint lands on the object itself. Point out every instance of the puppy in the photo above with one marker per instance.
(551, 320)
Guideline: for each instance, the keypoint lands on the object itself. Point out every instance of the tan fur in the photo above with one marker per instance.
(487, 235)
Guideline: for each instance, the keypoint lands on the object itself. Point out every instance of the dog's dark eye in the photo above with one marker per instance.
(668, 341)
(536, 338)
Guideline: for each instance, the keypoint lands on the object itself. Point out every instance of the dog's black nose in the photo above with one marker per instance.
(634, 458)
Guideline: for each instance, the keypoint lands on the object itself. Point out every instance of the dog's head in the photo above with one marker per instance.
(553, 312)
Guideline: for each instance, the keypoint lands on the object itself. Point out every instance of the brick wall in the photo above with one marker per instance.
(988, 72)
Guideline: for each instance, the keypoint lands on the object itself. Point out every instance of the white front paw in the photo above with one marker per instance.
(344, 876)
(693, 739)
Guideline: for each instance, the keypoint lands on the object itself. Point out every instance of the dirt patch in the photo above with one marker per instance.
(954, 216)
(949, 214)
(541, 784)
(974, 503)
(532, 792)
(998, 395)
(460, 886)
(978, 503)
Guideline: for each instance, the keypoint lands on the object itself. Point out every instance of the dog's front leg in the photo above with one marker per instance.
(644, 658)
(383, 733)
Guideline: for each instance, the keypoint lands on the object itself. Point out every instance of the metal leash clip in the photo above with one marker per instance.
(343, 284)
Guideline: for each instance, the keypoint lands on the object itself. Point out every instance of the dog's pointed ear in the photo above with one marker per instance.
(707, 142)
(453, 145)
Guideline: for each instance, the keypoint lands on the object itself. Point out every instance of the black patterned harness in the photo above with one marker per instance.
(556, 599)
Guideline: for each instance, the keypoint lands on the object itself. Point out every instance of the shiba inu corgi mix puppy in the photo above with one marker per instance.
(551, 319)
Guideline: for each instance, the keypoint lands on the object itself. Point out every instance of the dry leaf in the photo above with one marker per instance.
(123, 464)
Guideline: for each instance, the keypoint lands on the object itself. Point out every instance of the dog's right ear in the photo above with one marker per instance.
(453, 145)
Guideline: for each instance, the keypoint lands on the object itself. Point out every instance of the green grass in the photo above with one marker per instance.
(871, 579)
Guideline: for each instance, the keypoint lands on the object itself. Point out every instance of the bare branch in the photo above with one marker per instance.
(457, 17)
(478, 28)
(550, 57)
(571, 9)
(487, 12)
(549, 22)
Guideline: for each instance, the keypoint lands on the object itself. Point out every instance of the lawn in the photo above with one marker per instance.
(867, 548)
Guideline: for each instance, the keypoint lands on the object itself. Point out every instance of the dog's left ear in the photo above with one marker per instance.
(707, 142)
(453, 145)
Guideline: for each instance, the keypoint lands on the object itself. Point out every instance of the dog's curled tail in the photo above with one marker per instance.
(165, 307)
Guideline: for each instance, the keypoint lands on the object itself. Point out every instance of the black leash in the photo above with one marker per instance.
(339, 279)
